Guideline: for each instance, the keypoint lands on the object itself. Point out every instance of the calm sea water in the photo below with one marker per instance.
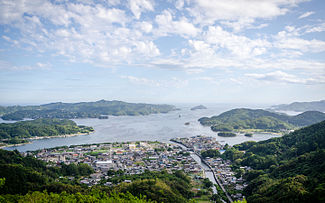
(160, 127)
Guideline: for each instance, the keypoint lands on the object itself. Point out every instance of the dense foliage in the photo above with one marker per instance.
(76, 197)
(82, 110)
(33, 173)
(210, 153)
(260, 119)
(12, 133)
(285, 169)
(159, 186)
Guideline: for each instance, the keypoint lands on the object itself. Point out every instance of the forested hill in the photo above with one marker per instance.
(260, 119)
(301, 106)
(15, 133)
(285, 169)
(82, 110)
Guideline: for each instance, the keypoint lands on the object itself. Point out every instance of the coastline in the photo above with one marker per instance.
(56, 136)
(30, 140)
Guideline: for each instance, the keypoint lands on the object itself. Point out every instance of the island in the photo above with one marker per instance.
(258, 120)
(301, 106)
(103, 117)
(23, 131)
(249, 134)
(198, 107)
(226, 134)
(83, 110)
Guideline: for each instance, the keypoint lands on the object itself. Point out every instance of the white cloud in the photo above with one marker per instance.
(289, 40)
(147, 48)
(304, 15)
(238, 45)
(144, 26)
(111, 33)
(139, 6)
(173, 82)
(179, 4)
(167, 25)
(280, 76)
(317, 28)
(87, 32)
(242, 24)
(5, 65)
(141, 81)
(207, 12)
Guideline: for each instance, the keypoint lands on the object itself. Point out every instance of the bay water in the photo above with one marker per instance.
(154, 127)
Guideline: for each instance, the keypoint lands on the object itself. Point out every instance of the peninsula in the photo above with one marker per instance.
(23, 131)
(260, 120)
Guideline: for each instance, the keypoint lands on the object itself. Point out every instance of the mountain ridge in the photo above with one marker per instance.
(83, 110)
(301, 106)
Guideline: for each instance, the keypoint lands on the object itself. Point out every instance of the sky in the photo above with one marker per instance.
(183, 51)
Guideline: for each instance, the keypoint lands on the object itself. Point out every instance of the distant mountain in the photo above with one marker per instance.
(301, 106)
(82, 110)
(198, 107)
(237, 119)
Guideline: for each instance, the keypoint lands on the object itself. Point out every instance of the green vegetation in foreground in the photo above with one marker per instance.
(241, 119)
(94, 196)
(285, 169)
(15, 133)
(26, 179)
(82, 110)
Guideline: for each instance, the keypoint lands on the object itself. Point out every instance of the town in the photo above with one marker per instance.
(231, 185)
(130, 158)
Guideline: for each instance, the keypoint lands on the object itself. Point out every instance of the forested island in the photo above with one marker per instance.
(226, 134)
(198, 107)
(258, 119)
(82, 110)
(301, 106)
(20, 132)
(285, 169)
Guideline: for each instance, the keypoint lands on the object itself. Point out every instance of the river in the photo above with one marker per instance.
(160, 127)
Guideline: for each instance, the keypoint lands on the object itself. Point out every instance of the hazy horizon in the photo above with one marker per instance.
(177, 104)
(144, 51)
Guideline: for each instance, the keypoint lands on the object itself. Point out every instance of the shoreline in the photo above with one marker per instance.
(58, 136)
(30, 140)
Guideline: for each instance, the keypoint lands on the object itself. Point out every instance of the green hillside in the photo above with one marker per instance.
(15, 133)
(285, 169)
(237, 119)
(82, 110)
